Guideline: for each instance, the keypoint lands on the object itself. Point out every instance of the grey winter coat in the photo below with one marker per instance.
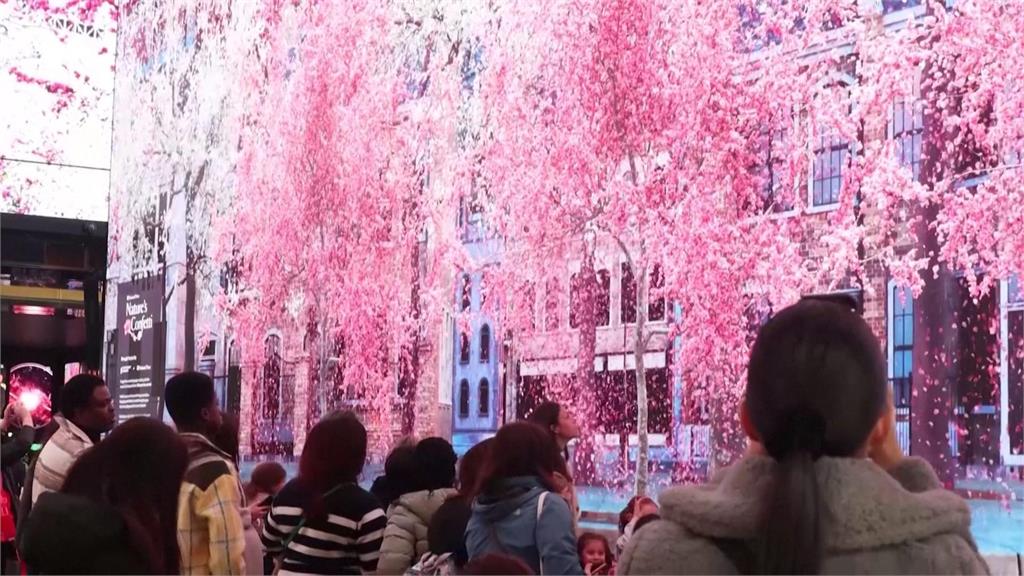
(901, 522)
(405, 538)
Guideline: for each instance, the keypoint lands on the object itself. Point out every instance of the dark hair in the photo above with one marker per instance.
(526, 450)
(267, 476)
(401, 461)
(226, 436)
(497, 565)
(644, 521)
(854, 301)
(186, 394)
(138, 470)
(626, 514)
(335, 452)
(399, 470)
(815, 387)
(587, 538)
(447, 530)
(470, 467)
(546, 415)
(77, 393)
(435, 464)
(643, 501)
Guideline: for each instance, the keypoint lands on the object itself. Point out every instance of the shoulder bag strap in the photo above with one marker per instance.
(540, 510)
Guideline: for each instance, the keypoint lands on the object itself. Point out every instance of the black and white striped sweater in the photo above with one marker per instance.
(347, 541)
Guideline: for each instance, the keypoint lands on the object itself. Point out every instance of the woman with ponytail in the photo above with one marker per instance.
(824, 487)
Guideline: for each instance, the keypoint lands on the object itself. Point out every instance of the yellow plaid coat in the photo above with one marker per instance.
(211, 535)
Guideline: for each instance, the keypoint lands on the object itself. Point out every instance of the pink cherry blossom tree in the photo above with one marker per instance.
(670, 135)
(638, 123)
(328, 224)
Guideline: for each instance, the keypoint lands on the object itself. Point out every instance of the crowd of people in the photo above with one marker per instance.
(823, 487)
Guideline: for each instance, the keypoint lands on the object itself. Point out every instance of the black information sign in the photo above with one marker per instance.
(139, 357)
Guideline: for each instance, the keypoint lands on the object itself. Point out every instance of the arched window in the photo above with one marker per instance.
(485, 343)
(484, 398)
(467, 292)
(551, 305)
(464, 348)
(272, 378)
(234, 391)
(604, 297)
(464, 398)
(627, 295)
(656, 300)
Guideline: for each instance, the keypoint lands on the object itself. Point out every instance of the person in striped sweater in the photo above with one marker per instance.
(322, 522)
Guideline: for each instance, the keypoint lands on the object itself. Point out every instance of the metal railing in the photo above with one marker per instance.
(903, 428)
(902, 391)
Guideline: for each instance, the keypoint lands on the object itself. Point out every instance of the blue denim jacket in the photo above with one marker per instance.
(506, 522)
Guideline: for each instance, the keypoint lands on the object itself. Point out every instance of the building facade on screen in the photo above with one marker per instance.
(983, 413)
(175, 148)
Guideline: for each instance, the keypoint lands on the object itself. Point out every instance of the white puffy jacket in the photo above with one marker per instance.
(405, 538)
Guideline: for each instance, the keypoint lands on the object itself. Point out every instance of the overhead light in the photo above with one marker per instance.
(32, 310)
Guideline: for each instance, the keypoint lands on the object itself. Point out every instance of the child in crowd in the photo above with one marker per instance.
(595, 554)
(268, 478)
(644, 521)
(266, 481)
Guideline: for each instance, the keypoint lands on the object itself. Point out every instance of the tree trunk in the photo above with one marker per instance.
(410, 371)
(639, 347)
(583, 392)
(639, 267)
(727, 438)
(193, 256)
(324, 355)
(931, 406)
(934, 343)
(190, 315)
(933, 379)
